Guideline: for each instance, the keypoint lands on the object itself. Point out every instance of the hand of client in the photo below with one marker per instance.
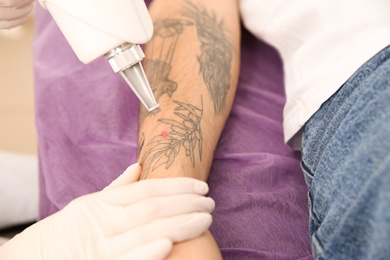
(14, 12)
(140, 220)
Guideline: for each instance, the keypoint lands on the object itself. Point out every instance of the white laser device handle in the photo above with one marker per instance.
(96, 28)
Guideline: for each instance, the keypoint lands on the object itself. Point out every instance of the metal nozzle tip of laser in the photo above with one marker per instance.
(135, 77)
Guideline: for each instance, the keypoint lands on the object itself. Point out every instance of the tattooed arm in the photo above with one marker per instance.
(192, 65)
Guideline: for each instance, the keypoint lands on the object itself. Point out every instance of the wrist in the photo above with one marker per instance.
(202, 247)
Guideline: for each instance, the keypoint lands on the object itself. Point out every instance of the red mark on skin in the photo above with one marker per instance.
(164, 134)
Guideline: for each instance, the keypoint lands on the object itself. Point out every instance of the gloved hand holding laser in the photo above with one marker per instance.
(96, 28)
(124, 221)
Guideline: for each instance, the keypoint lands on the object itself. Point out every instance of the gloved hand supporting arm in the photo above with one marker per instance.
(137, 221)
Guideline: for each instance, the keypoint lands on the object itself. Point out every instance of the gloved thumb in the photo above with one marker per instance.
(130, 175)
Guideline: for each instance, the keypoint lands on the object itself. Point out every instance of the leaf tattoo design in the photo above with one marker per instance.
(216, 54)
(184, 133)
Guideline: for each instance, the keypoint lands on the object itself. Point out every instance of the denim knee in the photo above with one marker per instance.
(345, 158)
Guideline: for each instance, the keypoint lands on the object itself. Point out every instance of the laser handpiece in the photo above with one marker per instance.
(126, 59)
(113, 29)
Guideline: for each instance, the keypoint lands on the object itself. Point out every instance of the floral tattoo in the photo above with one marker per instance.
(184, 133)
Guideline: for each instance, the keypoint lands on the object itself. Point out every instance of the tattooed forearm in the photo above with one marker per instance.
(184, 134)
(192, 55)
(192, 65)
(216, 54)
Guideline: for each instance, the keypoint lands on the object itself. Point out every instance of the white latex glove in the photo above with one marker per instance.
(124, 221)
(14, 12)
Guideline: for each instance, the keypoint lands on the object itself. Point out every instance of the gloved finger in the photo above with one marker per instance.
(155, 250)
(177, 229)
(9, 13)
(144, 189)
(130, 175)
(155, 208)
(12, 23)
(15, 3)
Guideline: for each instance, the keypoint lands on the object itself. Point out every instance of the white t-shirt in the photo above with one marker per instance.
(321, 42)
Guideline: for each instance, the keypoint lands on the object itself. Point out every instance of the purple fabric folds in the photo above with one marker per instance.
(86, 117)
(87, 120)
(256, 179)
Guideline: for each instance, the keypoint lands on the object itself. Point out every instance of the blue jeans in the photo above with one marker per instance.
(346, 162)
